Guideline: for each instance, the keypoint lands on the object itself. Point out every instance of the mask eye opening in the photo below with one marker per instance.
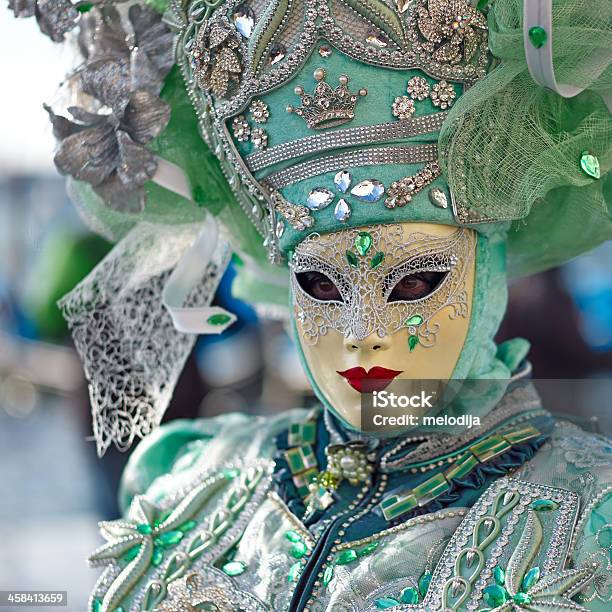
(318, 286)
(417, 286)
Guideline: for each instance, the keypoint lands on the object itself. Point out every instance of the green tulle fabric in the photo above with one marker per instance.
(514, 147)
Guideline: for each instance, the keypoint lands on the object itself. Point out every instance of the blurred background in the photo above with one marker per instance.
(53, 489)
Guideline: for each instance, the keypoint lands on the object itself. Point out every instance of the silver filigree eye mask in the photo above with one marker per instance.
(366, 266)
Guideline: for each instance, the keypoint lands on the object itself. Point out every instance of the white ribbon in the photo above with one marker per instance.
(538, 13)
(190, 270)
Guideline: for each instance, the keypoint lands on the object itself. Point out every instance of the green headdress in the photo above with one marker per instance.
(295, 117)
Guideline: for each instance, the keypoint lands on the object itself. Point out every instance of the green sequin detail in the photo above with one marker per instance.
(346, 556)
(386, 602)
(298, 550)
(544, 505)
(294, 572)
(363, 243)
(352, 259)
(188, 526)
(424, 582)
(538, 36)
(234, 568)
(368, 549)
(412, 342)
(531, 577)
(157, 557)
(495, 595)
(377, 259)
(219, 319)
(590, 164)
(131, 554)
(231, 473)
(414, 320)
(145, 529)
(293, 536)
(170, 538)
(522, 599)
(328, 575)
(409, 595)
(499, 575)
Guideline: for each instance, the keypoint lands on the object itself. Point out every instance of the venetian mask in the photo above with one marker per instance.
(377, 305)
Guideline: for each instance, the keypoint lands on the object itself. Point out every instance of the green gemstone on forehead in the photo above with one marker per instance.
(219, 319)
(377, 260)
(590, 164)
(352, 259)
(409, 595)
(538, 36)
(363, 243)
(234, 568)
(544, 505)
(412, 342)
(328, 574)
(346, 556)
(414, 320)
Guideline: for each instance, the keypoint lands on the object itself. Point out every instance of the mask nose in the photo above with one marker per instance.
(372, 343)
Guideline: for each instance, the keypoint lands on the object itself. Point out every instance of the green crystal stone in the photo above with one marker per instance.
(85, 7)
(368, 549)
(234, 568)
(544, 505)
(157, 557)
(538, 36)
(145, 529)
(132, 553)
(346, 556)
(377, 259)
(414, 320)
(424, 581)
(230, 473)
(352, 259)
(198, 195)
(119, 609)
(188, 526)
(328, 575)
(522, 599)
(293, 536)
(499, 575)
(386, 602)
(409, 595)
(219, 319)
(530, 578)
(590, 164)
(294, 572)
(495, 595)
(97, 605)
(170, 538)
(298, 550)
(162, 517)
(363, 243)
(412, 342)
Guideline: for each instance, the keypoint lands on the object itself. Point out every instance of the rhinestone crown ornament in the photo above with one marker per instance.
(327, 107)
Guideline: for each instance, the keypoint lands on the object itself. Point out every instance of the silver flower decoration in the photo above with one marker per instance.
(55, 17)
(105, 145)
(453, 28)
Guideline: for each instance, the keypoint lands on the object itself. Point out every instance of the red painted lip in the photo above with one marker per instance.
(377, 379)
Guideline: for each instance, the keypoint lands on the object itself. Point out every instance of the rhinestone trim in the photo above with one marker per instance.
(350, 137)
(353, 159)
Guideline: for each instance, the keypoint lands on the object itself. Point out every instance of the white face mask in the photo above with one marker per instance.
(389, 301)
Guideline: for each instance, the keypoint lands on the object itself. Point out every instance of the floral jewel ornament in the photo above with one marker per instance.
(349, 462)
